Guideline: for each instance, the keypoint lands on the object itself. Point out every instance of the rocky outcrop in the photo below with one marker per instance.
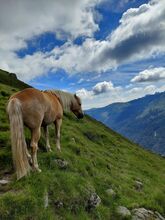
(138, 214)
(4, 182)
(93, 201)
(111, 192)
(138, 185)
(144, 214)
(123, 212)
(62, 164)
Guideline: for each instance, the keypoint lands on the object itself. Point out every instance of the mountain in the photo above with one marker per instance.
(141, 120)
(96, 166)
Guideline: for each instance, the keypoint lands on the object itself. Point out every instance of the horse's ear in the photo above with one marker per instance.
(75, 95)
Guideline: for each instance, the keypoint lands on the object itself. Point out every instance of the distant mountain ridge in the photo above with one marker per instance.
(141, 120)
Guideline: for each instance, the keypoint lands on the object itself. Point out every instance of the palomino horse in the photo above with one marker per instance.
(34, 108)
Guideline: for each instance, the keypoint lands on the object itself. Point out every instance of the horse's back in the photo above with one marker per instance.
(33, 106)
(27, 94)
(38, 107)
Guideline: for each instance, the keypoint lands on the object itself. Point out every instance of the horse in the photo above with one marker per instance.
(35, 109)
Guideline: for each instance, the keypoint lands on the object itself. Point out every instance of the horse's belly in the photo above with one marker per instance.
(47, 121)
(51, 117)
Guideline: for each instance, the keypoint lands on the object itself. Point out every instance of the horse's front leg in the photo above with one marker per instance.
(46, 132)
(58, 123)
(34, 145)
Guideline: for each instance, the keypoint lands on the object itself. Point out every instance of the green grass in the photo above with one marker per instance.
(98, 159)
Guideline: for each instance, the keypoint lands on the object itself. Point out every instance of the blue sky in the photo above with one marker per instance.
(105, 51)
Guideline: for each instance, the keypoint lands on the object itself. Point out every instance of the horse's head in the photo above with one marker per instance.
(76, 107)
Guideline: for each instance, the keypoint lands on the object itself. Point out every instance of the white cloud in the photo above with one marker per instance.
(102, 87)
(27, 68)
(149, 75)
(140, 35)
(98, 89)
(96, 96)
(117, 94)
(151, 89)
(80, 80)
(21, 20)
(137, 92)
(83, 93)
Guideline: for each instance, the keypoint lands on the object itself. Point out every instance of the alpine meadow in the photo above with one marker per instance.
(94, 163)
(82, 110)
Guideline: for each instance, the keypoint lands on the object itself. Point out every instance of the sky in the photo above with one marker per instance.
(105, 51)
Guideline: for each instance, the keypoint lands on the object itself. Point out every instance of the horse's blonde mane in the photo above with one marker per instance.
(66, 98)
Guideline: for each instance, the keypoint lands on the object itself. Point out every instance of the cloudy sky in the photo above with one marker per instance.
(106, 51)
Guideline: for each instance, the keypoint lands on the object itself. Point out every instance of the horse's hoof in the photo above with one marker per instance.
(48, 149)
(59, 149)
(39, 170)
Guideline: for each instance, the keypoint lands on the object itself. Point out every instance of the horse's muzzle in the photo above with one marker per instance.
(81, 115)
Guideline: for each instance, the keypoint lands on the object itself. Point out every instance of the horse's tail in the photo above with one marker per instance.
(19, 147)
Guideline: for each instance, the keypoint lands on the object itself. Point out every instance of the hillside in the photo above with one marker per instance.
(141, 120)
(10, 79)
(95, 160)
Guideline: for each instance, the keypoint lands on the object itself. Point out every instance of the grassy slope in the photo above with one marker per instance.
(99, 159)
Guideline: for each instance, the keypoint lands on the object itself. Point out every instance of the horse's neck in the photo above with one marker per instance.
(65, 98)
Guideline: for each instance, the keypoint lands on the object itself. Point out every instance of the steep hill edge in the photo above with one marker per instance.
(10, 79)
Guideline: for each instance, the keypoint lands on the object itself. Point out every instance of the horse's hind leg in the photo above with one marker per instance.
(28, 156)
(58, 123)
(34, 145)
(46, 131)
